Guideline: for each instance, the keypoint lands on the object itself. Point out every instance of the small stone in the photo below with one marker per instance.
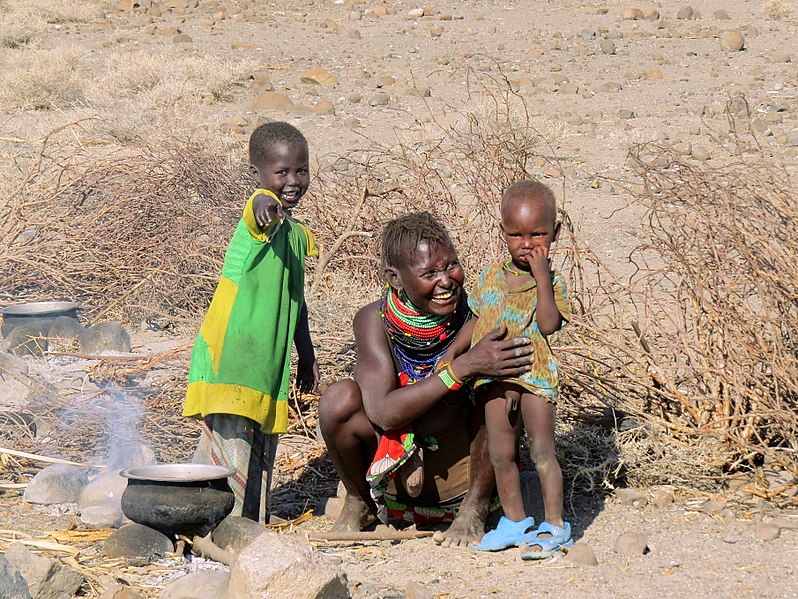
(654, 74)
(685, 13)
(235, 533)
(58, 483)
(379, 99)
(781, 58)
(588, 34)
(330, 507)
(197, 585)
(436, 30)
(324, 107)
(787, 523)
(632, 497)
(607, 47)
(609, 86)
(12, 585)
(46, 577)
(120, 591)
(354, 34)
(414, 590)
(182, 38)
(631, 14)
(650, 14)
(701, 153)
(683, 148)
(101, 516)
(273, 101)
(352, 122)
(662, 498)
(721, 15)
(569, 88)
(767, 531)
(732, 41)
(625, 114)
(419, 91)
(105, 337)
(581, 553)
(415, 13)
(355, 15)
(137, 543)
(379, 11)
(631, 543)
(318, 76)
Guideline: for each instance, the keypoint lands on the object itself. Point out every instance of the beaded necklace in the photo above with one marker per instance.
(417, 338)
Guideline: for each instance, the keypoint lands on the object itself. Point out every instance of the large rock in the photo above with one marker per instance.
(12, 585)
(58, 483)
(137, 543)
(47, 578)
(198, 585)
(28, 339)
(235, 533)
(280, 566)
(106, 489)
(105, 337)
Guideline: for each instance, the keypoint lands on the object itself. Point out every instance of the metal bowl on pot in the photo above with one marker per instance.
(188, 499)
(41, 314)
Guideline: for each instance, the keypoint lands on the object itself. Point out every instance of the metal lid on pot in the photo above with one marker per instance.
(38, 308)
(178, 473)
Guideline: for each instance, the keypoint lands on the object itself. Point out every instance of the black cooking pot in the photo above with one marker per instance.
(188, 499)
(42, 314)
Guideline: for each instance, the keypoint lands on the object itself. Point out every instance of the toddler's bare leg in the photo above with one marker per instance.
(538, 416)
(503, 431)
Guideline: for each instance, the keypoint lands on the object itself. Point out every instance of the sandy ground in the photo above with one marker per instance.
(666, 79)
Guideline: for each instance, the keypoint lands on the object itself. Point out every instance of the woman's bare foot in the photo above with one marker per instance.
(468, 527)
(355, 515)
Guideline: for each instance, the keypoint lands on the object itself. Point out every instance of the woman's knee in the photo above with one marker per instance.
(339, 402)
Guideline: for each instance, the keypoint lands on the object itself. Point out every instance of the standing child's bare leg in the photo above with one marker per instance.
(538, 415)
(554, 533)
(503, 431)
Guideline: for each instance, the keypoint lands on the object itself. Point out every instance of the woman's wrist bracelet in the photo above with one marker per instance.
(456, 378)
(447, 376)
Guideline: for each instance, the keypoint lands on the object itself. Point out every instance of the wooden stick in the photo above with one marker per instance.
(204, 547)
(377, 535)
(41, 458)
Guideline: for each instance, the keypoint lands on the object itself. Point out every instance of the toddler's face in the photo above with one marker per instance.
(285, 172)
(527, 225)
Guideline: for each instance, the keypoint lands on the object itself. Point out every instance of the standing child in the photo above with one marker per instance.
(241, 363)
(523, 294)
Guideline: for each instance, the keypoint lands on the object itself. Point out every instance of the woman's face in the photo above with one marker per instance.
(432, 277)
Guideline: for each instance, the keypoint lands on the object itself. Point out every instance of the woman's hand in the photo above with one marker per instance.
(495, 356)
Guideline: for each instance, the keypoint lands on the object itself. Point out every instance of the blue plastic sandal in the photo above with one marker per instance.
(507, 534)
(560, 538)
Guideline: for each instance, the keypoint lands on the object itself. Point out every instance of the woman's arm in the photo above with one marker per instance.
(389, 406)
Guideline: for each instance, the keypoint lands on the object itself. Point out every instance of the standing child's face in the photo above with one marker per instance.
(286, 173)
(528, 223)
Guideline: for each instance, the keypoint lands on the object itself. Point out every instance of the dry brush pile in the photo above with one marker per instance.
(682, 374)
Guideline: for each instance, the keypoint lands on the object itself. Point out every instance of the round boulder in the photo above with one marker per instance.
(58, 483)
(732, 41)
(137, 543)
(105, 337)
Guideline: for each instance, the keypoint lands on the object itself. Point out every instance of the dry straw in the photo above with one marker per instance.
(679, 375)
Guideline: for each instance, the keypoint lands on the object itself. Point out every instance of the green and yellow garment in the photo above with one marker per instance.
(241, 363)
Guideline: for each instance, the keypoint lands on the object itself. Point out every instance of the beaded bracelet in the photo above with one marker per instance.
(446, 374)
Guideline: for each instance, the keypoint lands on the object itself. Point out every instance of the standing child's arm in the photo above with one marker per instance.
(547, 314)
(307, 375)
